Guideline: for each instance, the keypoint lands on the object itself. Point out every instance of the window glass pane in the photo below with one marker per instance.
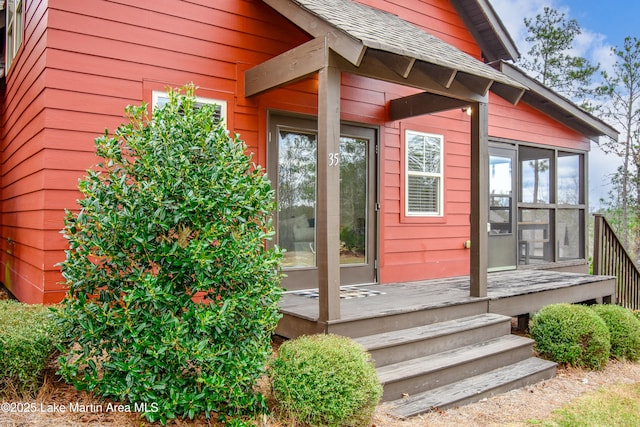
(297, 198)
(18, 27)
(569, 234)
(353, 200)
(535, 173)
(569, 183)
(535, 236)
(14, 29)
(423, 194)
(423, 173)
(423, 153)
(500, 190)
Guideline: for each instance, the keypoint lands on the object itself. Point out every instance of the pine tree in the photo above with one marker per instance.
(552, 36)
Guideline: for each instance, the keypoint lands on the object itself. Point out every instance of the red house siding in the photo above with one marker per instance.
(24, 230)
(83, 61)
(524, 123)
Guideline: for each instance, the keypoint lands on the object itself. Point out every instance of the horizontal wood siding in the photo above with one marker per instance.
(524, 123)
(417, 248)
(23, 233)
(82, 62)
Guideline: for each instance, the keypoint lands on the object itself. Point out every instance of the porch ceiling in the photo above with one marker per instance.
(382, 46)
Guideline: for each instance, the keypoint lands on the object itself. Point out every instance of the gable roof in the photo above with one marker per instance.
(488, 29)
(557, 106)
(389, 34)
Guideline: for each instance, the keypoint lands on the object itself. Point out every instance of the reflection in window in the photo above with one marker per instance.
(423, 173)
(569, 179)
(353, 200)
(500, 194)
(297, 197)
(535, 175)
(554, 179)
(14, 24)
(535, 227)
(570, 242)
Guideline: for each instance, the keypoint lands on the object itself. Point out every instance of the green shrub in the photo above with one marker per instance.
(325, 380)
(172, 292)
(571, 334)
(624, 329)
(28, 336)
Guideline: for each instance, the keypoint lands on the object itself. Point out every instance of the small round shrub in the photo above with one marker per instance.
(325, 380)
(624, 329)
(571, 334)
(28, 339)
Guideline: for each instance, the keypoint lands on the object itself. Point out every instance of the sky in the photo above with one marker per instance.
(604, 24)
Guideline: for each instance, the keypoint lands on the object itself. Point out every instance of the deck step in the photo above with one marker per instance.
(394, 319)
(392, 347)
(432, 371)
(472, 389)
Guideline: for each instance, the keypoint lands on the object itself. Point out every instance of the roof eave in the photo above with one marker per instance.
(488, 30)
(551, 103)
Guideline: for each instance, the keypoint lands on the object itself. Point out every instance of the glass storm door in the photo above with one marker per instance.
(292, 165)
(502, 233)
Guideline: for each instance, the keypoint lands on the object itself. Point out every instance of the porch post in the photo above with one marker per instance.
(479, 199)
(328, 204)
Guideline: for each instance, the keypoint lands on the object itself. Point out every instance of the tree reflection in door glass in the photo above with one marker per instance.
(353, 200)
(297, 197)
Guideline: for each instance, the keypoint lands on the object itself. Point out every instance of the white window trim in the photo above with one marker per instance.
(157, 94)
(14, 24)
(408, 173)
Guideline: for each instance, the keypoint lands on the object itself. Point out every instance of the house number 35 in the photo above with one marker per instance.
(334, 159)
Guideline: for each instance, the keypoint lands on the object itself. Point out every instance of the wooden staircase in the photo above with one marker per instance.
(458, 358)
(434, 345)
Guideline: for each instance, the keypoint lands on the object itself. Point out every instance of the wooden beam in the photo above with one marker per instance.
(509, 93)
(328, 203)
(400, 64)
(475, 83)
(479, 199)
(373, 68)
(287, 67)
(343, 44)
(444, 76)
(422, 103)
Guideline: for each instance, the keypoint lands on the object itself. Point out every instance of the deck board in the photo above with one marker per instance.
(405, 297)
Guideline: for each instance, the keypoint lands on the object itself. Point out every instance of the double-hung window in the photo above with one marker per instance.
(14, 14)
(423, 174)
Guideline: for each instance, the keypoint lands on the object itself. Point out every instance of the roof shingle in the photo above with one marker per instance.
(381, 30)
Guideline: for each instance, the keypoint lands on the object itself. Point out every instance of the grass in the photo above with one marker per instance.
(613, 406)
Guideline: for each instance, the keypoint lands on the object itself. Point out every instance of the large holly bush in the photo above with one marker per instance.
(172, 292)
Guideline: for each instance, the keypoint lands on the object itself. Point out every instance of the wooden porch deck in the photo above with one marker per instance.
(433, 342)
(511, 293)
